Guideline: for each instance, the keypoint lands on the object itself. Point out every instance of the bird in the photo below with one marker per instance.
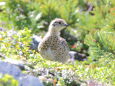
(53, 47)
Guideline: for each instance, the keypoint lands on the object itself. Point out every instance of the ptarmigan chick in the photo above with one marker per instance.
(53, 47)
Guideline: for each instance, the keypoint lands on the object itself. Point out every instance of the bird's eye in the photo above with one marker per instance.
(59, 22)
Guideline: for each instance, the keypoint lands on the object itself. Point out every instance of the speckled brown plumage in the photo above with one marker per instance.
(53, 47)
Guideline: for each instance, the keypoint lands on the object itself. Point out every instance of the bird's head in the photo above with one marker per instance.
(57, 24)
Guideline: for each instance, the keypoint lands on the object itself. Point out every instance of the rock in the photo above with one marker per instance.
(20, 64)
(29, 81)
(24, 79)
(2, 29)
(77, 56)
(35, 42)
(6, 68)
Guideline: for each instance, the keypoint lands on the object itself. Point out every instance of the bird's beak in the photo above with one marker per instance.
(66, 25)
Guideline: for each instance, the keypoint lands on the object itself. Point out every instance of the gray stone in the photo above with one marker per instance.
(77, 56)
(35, 42)
(24, 79)
(6, 68)
(2, 29)
(29, 81)
(18, 63)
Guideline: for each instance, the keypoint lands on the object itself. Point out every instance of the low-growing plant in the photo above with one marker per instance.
(15, 44)
(7, 80)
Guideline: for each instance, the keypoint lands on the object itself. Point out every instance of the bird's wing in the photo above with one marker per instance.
(64, 43)
(43, 45)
